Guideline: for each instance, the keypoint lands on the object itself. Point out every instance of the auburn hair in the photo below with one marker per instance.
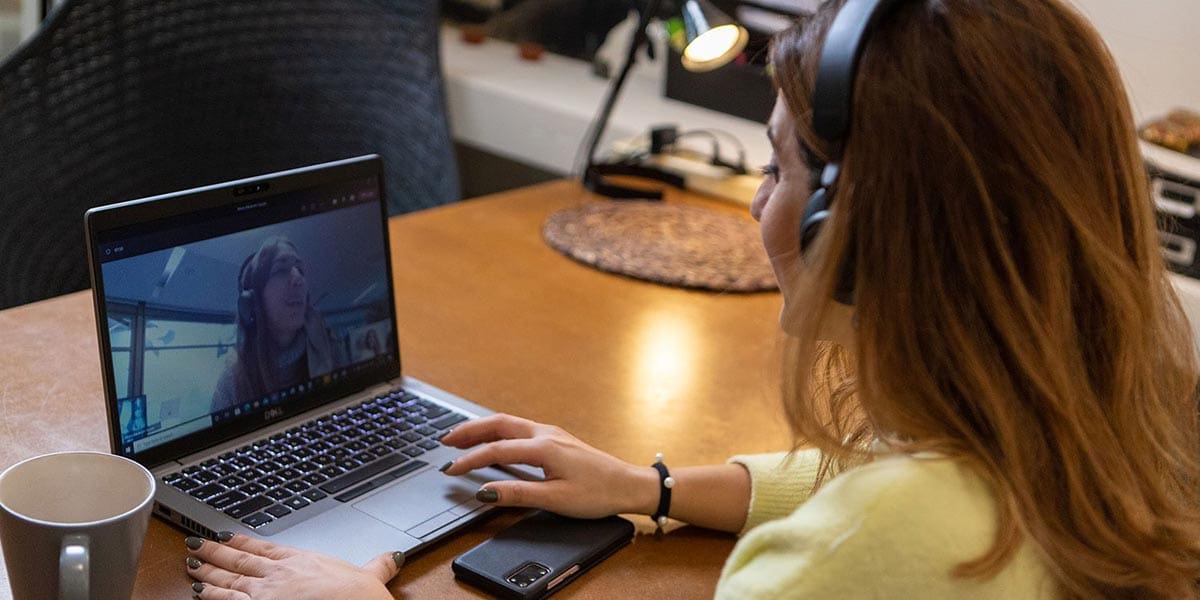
(1012, 309)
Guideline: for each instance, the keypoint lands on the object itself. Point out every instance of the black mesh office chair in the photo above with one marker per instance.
(118, 99)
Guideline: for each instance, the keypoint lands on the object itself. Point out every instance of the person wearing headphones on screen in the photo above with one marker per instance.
(281, 339)
(988, 366)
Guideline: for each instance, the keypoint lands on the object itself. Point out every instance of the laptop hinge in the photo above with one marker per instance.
(378, 389)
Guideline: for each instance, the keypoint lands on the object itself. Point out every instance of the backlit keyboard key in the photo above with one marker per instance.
(257, 520)
(186, 484)
(279, 510)
(211, 489)
(252, 505)
(296, 503)
(227, 499)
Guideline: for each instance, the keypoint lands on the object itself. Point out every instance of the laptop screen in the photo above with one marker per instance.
(235, 314)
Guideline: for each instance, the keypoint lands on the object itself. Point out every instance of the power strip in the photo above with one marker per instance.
(705, 178)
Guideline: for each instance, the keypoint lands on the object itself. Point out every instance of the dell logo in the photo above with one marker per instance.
(273, 413)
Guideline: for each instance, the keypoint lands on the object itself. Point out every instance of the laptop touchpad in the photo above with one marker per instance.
(415, 500)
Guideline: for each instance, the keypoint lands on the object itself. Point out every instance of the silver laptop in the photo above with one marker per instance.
(249, 346)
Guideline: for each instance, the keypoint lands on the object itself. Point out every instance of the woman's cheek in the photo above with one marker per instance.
(780, 226)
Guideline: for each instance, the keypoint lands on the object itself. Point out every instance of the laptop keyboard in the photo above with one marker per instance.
(342, 455)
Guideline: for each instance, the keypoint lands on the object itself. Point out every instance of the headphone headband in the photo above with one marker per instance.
(833, 92)
(243, 285)
(833, 96)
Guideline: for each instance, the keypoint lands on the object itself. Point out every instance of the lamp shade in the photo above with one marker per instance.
(713, 39)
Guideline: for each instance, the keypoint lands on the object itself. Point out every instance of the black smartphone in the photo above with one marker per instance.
(540, 554)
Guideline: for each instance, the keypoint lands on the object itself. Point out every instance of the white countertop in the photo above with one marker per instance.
(537, 112)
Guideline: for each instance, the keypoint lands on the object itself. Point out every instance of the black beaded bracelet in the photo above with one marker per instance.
(665, 483)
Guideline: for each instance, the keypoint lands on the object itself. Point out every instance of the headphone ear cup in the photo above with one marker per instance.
(815, 214)
(246, 308)
(245, 303)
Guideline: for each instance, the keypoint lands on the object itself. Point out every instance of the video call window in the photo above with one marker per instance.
(226, 326)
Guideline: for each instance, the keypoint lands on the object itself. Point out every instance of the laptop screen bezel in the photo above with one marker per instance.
(102, 220)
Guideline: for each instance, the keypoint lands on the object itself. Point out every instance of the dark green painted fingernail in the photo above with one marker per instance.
(446, 466)
(193, 562)
(398, 558)
(486, 495)
(193, 542)
(224, 536)
(197, 587)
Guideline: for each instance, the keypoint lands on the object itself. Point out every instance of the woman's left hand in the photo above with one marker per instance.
(247, 568)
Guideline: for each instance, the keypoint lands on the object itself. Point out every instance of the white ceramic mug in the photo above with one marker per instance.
(72, 525)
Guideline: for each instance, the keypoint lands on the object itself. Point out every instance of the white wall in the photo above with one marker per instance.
(1156, 48)
(1158, 52)
(30, 13)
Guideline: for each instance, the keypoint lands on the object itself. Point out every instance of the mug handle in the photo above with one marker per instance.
(73, 568)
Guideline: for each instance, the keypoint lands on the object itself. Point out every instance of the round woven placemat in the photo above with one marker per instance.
(671, 244)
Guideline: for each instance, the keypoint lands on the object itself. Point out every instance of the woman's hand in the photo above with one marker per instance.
(246, 568)
(581, 481)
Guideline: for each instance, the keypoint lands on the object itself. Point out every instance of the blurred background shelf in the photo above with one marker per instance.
(535, 113)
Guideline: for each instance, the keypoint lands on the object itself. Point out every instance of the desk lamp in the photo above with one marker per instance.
(667, 243)
(713, 39)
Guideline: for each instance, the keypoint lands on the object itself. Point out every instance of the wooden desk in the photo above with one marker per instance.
(487, 311)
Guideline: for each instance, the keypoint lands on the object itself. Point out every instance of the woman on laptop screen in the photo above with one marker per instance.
(282, 340)
(990, 380)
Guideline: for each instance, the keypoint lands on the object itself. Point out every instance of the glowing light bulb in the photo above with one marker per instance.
(714, 48)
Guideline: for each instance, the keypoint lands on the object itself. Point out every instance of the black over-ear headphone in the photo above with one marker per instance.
(246, 295)
(833, 96)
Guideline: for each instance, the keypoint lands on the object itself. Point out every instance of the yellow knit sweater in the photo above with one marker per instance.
(894, 528)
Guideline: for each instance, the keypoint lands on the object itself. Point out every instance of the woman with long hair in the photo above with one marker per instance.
(282, 340)
(988, 370)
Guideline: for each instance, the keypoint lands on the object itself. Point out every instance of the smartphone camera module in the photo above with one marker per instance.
(527, 574)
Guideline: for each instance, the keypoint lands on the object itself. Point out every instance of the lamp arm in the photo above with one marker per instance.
(600, 123)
